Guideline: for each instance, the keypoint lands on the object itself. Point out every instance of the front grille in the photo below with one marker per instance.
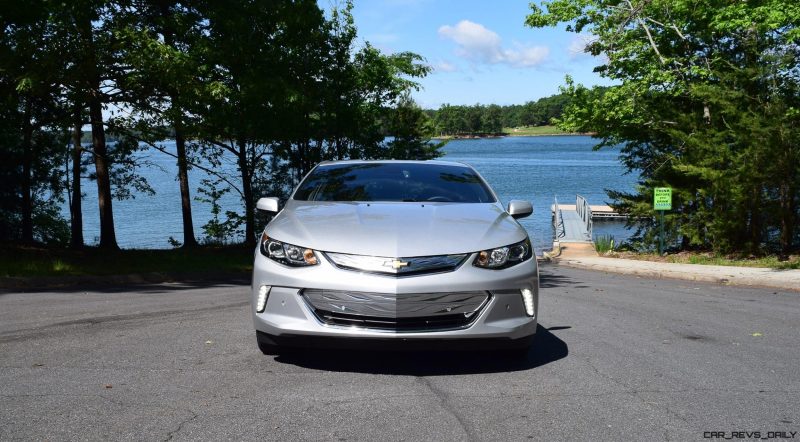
(428, 323)
(398, 312)
(410, 266)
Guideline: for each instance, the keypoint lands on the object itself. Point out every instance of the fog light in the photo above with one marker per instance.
(261, 302)
(527, 299)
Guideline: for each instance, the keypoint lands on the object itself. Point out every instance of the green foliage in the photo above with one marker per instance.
(604, 243)
(218, 231)
(710, 258)
(706, 103)
(295, 92)
(273, 87)
(50, 228)
(490, 120)
(32, 137)
(412, 130)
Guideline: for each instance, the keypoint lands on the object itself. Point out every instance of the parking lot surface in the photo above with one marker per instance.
(616, 357)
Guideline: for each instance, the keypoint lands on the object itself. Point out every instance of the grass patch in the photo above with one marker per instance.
(28, 262)
(60, 266)
(527, 131)
(767, 262)
(770, 262)
(604, 243)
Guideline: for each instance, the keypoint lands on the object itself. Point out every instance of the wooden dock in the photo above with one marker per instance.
(573, 228)
(598, 212)
(572, 223)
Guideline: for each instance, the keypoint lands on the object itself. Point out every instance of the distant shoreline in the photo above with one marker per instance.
(481, 137)
(526, 131)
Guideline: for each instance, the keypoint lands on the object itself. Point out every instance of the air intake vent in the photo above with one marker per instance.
(399, 312)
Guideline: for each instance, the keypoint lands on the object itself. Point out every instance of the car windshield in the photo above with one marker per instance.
(409, 182)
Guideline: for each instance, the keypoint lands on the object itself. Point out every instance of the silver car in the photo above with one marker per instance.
(394, 253)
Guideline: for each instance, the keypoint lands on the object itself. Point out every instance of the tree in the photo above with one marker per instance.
(274, 86)
(251, 48)
(32, 130)
(411, 129)
(74, 181)
(292, 91)
(707, 103)
(90, 24)
(63, 68)
(482, 119)
(162, 40)
(492, 120)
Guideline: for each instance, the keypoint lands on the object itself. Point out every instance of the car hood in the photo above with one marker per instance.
(395, 229)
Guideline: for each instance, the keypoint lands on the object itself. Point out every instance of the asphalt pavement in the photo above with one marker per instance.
(617, 357)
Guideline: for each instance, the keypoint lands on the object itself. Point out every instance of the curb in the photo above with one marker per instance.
(724, 278)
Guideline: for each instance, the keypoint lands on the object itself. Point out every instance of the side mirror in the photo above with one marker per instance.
(519, 208)
(269, 204)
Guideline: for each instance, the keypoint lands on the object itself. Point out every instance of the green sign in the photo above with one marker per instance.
(662, 198)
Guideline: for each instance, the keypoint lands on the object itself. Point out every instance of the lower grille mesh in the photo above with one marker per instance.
(444, 322)
(398, 312)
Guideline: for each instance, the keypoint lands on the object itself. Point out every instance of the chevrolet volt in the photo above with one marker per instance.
(382, 253)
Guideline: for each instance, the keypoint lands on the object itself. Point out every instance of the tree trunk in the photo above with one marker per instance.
(183, 177)
(90, 71)
(27, 159)
(247, 191)
(108, 238)
(180, 139)
(76, 211)
(755, 227)
(788, 215)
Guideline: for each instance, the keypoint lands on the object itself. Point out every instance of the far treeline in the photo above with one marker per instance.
(476, 120)
(274, 86)
(707, 102)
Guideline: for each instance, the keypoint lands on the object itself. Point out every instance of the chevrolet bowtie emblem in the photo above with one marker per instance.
(396, 264)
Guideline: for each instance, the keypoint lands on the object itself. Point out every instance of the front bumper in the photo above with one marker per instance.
(289, 319)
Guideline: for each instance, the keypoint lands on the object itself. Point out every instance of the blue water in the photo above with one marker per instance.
(147, 222)
(542, 168)
(533, 168)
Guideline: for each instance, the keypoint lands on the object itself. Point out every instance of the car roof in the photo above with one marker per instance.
(432, 162)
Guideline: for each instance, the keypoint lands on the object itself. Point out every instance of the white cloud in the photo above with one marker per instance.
(474, 41)
(482, 45)
(445, 66)
(525, 56)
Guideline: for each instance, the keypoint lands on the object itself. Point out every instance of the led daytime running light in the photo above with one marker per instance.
(527, 300)
(263, 294)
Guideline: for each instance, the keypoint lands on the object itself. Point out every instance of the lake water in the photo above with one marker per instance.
(533, 168)
(540, 169)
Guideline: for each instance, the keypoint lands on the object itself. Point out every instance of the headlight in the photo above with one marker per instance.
(286, 254)
(503, 257)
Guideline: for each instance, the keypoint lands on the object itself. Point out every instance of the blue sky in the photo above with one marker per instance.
(481, 51)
